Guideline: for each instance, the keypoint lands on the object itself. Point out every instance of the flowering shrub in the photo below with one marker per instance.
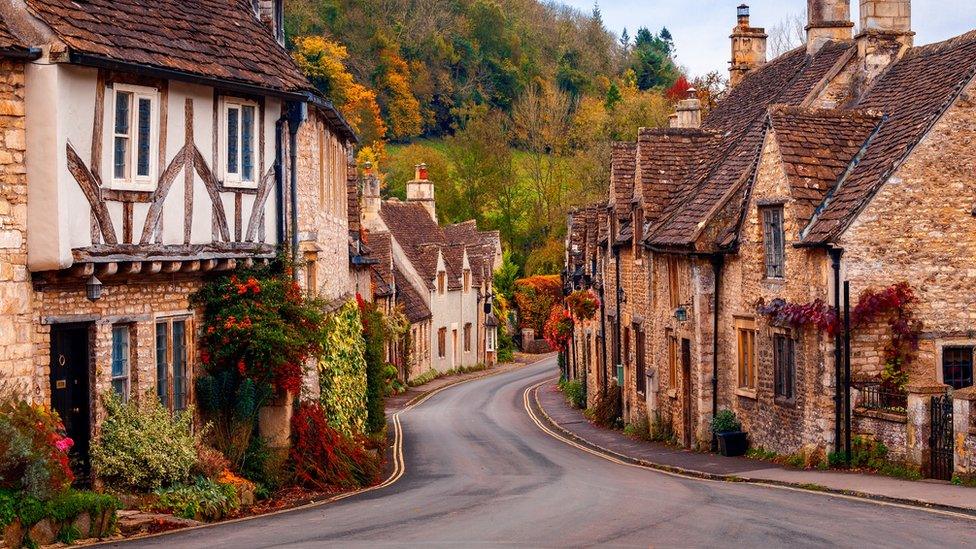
(534, 297)
(33, 450)
(342, 371)
(261, 325)
(325, 459)
(559, 328)
(377, 331)
(583, 304)
(141, 446)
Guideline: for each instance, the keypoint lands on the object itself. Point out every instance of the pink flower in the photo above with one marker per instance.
(64, 444)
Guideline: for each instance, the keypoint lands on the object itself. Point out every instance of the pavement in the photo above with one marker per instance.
(570, 421)
(479, 471)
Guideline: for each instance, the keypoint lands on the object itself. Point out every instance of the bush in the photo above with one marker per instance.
(33, 450)
(325, 459)
(342, 371)
(575, 393)
(142, 446)
(726, 422)
(375, 337)
(205, 499)
(210, 462)
(61, 508)
(231, 403)
(606, 410)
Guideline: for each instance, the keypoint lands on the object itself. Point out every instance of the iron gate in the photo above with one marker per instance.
(941, 439)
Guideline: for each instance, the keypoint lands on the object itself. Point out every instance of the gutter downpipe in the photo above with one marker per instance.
(835, 255)
(847, 370)
(618, 336)
(718, 261)
(280, 180)
(603, 338)
(297, 113)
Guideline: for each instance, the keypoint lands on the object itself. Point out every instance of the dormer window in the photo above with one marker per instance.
(773, 241)
(238, 143)
(441, 282)
(467, 280)
(134, 130)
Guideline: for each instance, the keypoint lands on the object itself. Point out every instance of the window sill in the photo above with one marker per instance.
(239, 185)
(785, 402)
(116, 185)
(746, 393)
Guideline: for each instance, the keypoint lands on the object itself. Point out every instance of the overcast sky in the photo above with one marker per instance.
(701, 27)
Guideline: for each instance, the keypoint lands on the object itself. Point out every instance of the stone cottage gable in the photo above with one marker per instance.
(381, 273)
(665, 159)
(816, 146)
(414, 306)
(740, 119)
(913, 94)
(218, 39)
(622, 169)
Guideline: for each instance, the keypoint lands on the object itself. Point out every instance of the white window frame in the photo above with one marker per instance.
(231, 179)
(134, 181)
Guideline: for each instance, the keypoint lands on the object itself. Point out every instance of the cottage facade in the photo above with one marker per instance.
(822, 168)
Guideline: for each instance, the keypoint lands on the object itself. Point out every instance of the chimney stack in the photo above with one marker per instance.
(748, 47)
(272, 14)
(828, 20)
(885, 35)
(689, 112)
(421, 190)
(371, 194)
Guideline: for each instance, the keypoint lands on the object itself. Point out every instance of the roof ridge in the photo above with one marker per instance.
(779, 108)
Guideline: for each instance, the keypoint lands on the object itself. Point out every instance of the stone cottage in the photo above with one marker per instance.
(442, 275)
(821, 169)
(132, 168)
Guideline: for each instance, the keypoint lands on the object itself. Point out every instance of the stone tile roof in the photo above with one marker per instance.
(9, 42)
(665, 158)
(220, 39)
(414, 306)
(816, 147)
(913, 94)
(740, 119)
(381, 274)
(623, 165)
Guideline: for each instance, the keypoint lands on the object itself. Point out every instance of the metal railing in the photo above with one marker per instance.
(873, 396)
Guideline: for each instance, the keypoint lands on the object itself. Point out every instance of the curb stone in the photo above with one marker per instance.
(704, 475)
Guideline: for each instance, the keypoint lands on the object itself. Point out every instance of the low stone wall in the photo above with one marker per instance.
(964, 429)
(885, 427)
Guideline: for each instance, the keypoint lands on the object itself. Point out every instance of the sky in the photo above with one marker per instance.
(701, 28)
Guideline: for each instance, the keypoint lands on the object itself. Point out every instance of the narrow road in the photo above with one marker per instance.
(480, 473)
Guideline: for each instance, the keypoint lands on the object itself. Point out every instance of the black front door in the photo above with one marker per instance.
(70, 395)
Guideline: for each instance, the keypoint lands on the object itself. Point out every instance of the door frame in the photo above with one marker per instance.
(89, 377)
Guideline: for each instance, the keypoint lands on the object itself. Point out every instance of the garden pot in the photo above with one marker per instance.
(733, 444)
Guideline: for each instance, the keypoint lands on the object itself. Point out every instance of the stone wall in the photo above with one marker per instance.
(16, 370)
(919, 228)
(135, 303)
(889, 429)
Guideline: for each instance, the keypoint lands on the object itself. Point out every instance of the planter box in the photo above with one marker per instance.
(733, 444)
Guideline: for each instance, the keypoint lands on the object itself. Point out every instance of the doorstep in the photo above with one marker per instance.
(551, 402)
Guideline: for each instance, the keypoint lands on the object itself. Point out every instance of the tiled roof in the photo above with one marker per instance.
(381, 274)
(665, 159)
(414, 306)
(353, 205)
(913, 94)
(9, 42)
(220, 39)
(816, 147)
(623, 163)
(740, 119)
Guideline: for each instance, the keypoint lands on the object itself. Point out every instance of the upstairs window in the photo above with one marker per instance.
(673, 286)
(773, 241)
(441, 282)
(134, 130)
(467, 280)
(239, 143)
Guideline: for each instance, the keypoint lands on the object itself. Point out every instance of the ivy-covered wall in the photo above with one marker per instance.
(342, 371)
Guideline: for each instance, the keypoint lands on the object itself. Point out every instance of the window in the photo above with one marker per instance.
(311, 274)
(773, 239)
(957, 366)
(490, 340)
(120, 361)
(784, 365)
(441, 282)
(442, 343)
(134, 131)
(672, 359)
(640, 373)
(239, 140)
(171, 363)
(467, 280)
(673, 282)
(325, 185)
(746, 332)
(626, 359)
(467, 337)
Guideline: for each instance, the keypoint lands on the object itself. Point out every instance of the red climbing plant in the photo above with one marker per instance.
(559, 328)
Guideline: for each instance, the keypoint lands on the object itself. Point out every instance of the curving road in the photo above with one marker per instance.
(480, 473)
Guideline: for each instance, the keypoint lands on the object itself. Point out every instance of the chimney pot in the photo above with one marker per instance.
(421, 172)
(748, 47)
(829, 20)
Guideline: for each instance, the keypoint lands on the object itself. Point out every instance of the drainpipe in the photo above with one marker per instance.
(835, 254)
(847, 370)
(718, 261)
(297, 113)
(618, 336)
(603, 338)
(279, 171)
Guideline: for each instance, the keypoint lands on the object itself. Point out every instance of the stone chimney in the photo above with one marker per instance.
(886, 34)
(748, 47)
(422, 190)
(272, 14)
(689, 112)
(828, 20)
(371, 194)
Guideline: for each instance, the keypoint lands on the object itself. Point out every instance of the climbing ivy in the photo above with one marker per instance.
(342, 371)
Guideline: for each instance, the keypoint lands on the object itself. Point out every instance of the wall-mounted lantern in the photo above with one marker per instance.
(93, 288)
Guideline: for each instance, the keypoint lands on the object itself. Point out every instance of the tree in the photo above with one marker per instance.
(787, 35)
(651, 59)
(392, 79)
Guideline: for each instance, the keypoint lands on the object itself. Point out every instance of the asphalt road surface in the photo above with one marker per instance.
(479, 473)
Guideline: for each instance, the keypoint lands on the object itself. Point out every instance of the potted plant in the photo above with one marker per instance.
(731, 440)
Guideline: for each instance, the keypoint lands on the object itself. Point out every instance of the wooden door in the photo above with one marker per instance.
(686, 391)
(70, 395)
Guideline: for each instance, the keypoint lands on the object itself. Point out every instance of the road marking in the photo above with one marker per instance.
(609, 457)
